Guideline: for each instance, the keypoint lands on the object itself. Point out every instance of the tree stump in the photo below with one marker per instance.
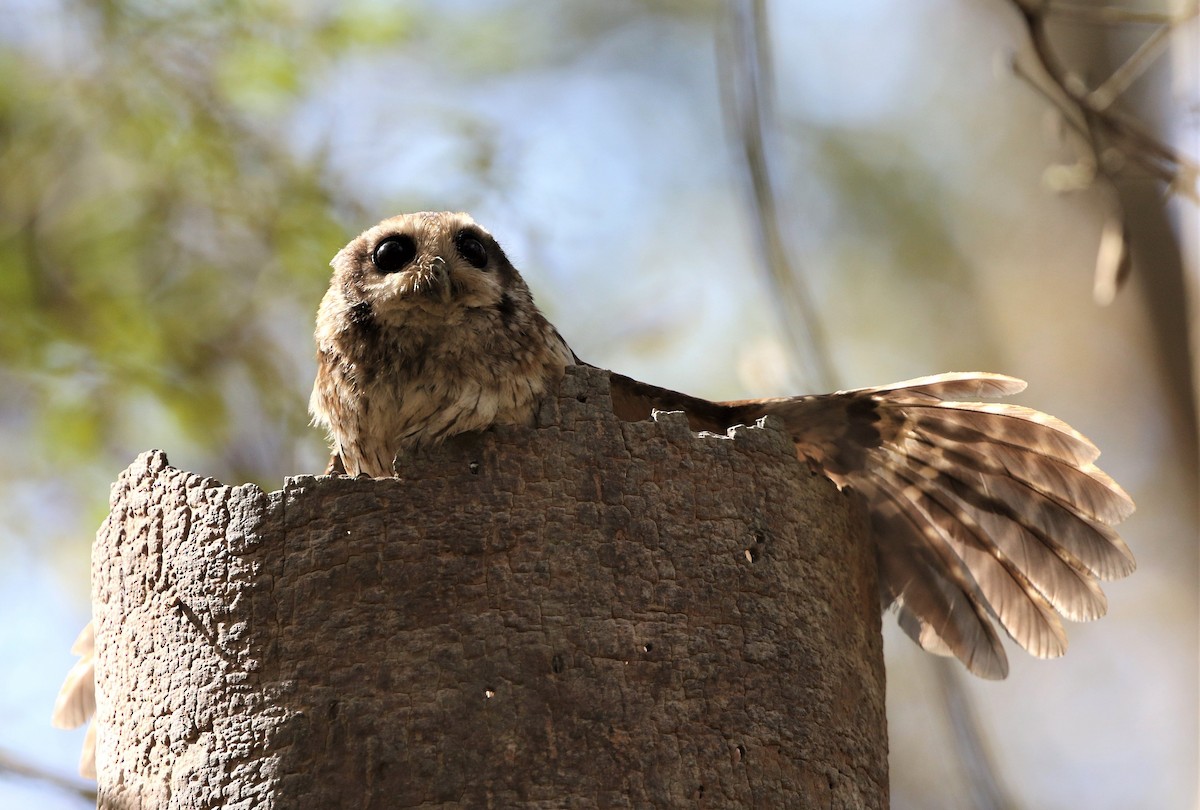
(589, 613)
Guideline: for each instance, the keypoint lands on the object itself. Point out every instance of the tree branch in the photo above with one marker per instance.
(1109, 139)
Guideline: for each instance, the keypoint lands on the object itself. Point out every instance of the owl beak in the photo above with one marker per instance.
(439, 276)
(430, 279)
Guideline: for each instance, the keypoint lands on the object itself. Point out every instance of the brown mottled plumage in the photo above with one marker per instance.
(978, 511)
(436, 347)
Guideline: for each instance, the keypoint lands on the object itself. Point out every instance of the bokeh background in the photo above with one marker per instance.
(174, 177)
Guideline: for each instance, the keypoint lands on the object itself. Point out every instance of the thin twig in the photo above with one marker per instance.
(748, 97)
(1103, 96)
(10, 764)
(1105, 127)
(1109, 138)
(1071, 113)
(987, 791)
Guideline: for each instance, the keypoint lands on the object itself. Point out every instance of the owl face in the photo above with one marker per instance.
(422, 265)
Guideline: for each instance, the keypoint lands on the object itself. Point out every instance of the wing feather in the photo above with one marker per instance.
(1025, 614)
(940, 604)
(76, 701)
(980, 511)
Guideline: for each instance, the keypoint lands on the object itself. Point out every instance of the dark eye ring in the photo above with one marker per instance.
(394, 253)
(471, 249)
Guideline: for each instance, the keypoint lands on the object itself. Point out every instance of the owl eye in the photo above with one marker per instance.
(394, 253)
(471, 249)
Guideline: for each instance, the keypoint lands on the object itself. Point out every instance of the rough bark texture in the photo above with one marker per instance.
(587, 614)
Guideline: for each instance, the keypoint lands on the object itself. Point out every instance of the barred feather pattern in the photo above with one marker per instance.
(981, 513)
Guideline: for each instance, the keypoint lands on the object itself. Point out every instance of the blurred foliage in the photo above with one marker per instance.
(151, 216)
(163, 239)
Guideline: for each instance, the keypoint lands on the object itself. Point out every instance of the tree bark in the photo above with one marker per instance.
(589, 613)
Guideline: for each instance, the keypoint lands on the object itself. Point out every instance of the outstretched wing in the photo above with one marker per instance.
(977, 510)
